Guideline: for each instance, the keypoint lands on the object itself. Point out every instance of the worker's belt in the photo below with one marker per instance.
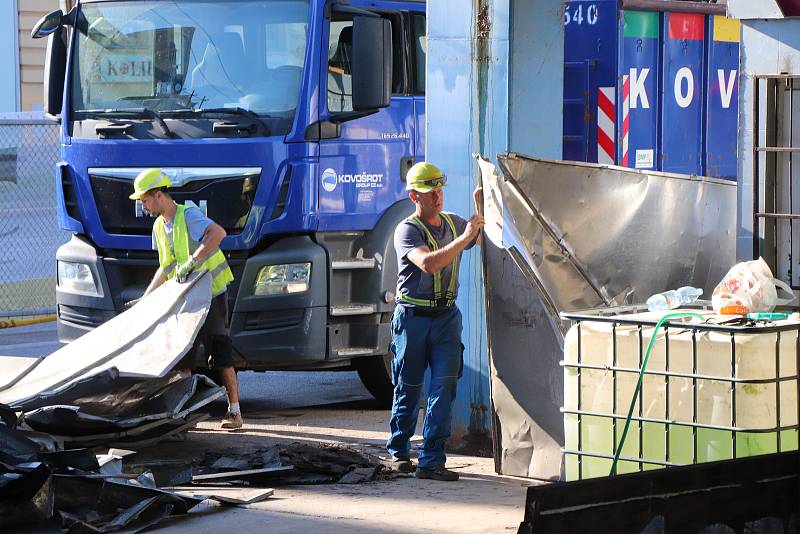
(429, 312)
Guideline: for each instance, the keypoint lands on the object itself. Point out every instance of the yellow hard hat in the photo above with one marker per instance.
(424, 177)
(149, 179)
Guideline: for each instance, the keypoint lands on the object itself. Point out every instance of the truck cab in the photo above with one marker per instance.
(291, 123)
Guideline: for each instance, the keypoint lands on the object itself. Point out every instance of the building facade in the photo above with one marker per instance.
(22, 58)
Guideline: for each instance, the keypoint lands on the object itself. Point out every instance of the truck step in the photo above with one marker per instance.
(354, 263)
(355, 351)
(355, 309)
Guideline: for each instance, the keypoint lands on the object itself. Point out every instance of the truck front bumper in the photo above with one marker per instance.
(282, 331)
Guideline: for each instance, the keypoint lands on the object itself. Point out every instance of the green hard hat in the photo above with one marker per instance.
(424, 177)
(149, 179)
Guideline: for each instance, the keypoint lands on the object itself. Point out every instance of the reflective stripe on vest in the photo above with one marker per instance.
(221, 274)
(440, 299)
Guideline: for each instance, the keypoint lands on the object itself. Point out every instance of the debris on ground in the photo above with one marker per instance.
(115, 384)
(311, 464)
(225, 495)
(73, 489)
(85, 490)
(114, 387)
(109, 409)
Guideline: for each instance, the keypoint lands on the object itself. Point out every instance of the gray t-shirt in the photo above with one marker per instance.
(407, 236)
(196, 224)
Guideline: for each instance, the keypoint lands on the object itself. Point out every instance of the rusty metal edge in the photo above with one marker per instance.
(682, 6)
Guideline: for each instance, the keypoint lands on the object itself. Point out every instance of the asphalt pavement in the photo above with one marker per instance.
(322, 407)
(259, 392)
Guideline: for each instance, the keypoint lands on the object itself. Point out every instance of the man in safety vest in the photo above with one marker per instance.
(426, 326)
(188, 241)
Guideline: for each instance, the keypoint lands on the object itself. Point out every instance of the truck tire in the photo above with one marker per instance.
(376, 375)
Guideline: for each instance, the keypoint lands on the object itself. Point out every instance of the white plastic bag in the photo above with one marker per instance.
(750, 285)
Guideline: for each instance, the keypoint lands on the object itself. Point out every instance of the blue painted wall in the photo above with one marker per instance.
(494, 78)
(768, 47)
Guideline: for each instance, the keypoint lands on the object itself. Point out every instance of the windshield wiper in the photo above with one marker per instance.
(254, 117)
(130, 113)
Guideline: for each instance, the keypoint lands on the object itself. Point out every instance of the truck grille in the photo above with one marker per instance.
(226, 200)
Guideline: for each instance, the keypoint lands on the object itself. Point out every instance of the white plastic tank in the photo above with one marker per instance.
(709, 399)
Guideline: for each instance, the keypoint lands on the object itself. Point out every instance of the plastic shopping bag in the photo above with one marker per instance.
(750, 285)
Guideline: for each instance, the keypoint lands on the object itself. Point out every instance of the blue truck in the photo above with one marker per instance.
(291, 123)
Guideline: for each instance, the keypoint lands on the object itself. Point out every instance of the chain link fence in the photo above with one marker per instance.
(29, 233)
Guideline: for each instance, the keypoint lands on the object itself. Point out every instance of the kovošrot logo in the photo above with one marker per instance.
(329, 180)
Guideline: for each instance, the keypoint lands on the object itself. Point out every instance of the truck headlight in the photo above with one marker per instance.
(282, 279)
(76, 277)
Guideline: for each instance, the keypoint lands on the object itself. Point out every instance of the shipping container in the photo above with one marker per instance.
(650, 90)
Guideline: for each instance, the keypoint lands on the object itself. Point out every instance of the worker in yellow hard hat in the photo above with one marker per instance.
(426, 325)
(187, 240)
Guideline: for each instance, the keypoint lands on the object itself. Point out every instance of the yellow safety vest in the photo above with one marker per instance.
(185, 246)
(441, 299)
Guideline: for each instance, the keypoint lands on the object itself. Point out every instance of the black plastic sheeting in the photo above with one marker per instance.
(310, 464)
(107, 408)
(37, 487)
(26, 494)
(97, 505)
(748, 495)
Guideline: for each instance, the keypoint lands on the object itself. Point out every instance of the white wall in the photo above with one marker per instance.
(768, 47)
(754, 9)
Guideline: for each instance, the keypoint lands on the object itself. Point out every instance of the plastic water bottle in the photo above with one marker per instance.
(669, 300)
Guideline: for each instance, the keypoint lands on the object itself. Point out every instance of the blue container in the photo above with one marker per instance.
(669, 108)
(682, 94)
(639, 60)
(722, 103)
(589, 62)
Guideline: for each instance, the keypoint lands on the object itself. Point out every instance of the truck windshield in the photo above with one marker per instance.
(168, 55)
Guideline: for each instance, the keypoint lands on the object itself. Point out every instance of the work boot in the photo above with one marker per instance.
(404, 465)
(439, 472)
(232, 421)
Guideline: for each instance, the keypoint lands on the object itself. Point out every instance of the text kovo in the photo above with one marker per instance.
(363, 179)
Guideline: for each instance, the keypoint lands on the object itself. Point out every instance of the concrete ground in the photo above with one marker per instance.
(480, 501)
(285, 407)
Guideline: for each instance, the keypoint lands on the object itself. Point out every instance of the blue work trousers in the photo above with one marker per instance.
(420, 342)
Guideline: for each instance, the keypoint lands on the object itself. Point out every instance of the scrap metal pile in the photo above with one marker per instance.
(115, 387)
(82, 491)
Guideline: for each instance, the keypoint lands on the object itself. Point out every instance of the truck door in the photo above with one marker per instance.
(360, 169)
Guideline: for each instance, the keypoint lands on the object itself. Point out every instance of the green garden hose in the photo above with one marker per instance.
(638, 389)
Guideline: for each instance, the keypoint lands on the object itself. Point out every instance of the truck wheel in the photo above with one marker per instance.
(376, 375)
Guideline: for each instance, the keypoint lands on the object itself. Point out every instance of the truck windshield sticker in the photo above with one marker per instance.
(124, 68)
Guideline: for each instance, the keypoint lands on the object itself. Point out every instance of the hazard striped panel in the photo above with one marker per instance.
(626, 124)
(606, 113)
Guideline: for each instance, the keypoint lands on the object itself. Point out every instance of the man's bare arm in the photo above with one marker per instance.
(209, 244)
(434, 261)
(159, 278)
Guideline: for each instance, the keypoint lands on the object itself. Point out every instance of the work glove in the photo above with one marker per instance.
(184, 270)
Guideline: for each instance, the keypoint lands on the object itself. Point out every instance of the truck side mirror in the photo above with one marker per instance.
(55, 68)
(372, 63)
(48, 24)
